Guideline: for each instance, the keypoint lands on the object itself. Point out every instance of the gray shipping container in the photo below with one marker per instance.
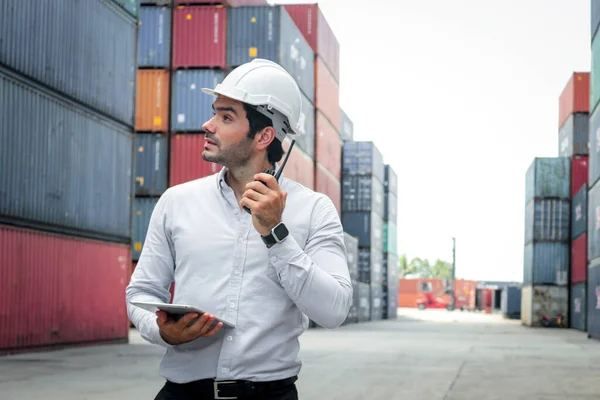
(362, 158)
(151, 162)
(547, 219)
(593, 225)
(573, 137)
(191, 108)
(269, 32)
(390, 275)
(594, 158)
(84, 49)
(362, 193)
(307, 141)
(390, 208)
(366, 226)
(62, 165)
(154, 38)
(577, 313)
(593, 299)
(347, 127)
(548, 177)
(546, 263)
(376, 302)
(595, 17)
(579, 213)
(370, 266)
(142, 211)
(364, 302)
(390, 180)
(131, 6)
(392, 305)
(351, 254)
(511, 302)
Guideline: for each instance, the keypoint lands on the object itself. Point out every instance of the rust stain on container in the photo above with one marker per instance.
(152, 101)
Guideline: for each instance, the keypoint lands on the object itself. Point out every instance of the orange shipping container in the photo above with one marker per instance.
(328, 146)
(408, 286)
(328, 184)
(327, 94)
(152, 101)
(575, 97)
(408, 299)
(300, 166)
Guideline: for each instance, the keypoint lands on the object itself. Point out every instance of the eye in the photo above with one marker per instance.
(227, 118)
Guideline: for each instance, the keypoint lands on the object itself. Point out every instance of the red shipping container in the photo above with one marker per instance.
(579, 259)
(230, 3)
(575, 97)
(579, 173)
(59, 290)
(186, 163)
(316, 30)
(327, 94)
(300, 166)
(328, 145)
(328, 184)
(199, 37)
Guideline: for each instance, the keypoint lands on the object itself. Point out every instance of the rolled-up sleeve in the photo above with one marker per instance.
(153, 274)
(317, 278)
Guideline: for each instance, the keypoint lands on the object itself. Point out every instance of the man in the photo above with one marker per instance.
(265, 270)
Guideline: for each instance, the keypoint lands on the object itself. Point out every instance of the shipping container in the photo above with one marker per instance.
(392, 305)
(390, 271)
(151, 164)
(548, 177)
(66, 169)
(546, 263)
(595, 18)
(364, 302)
(390, 180)
(577, 313)
(594, 158)
(157, 2)
(593, 299)
(230, 3)
(464, 292)
(318, 33)
(104, 36)
(142, 211)
(190, 106)
(328, 145)
(575, 97)
(327, 95)
(199, 37)
(269, 32)
(306, 141)
(573, 136)
(547, 219)
(511, 302)
(370, 265)
(376, 301)
(579, 213)
(329, 185)
(579, 260)
(346, 127)
(363, 193)
(154, 46)
(186, 162)
(362, 158)
(352, 317)
(60, 290)
(408, 286)
(538, 302)
(351, 254)
(367, 227)
(299, 167)
(131, 6)
(579, 173)
(390, 238)
(390, 208)
(593, 221)
(595, 78)
(152, 102)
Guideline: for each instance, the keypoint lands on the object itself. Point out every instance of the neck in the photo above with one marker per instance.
(238, 177)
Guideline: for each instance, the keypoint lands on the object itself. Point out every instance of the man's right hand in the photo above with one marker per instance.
(178, 332)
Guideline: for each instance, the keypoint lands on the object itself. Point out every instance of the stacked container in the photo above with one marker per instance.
(547, 241)
(66, 155)
(352, 257)
(511, 302)
(390, 244)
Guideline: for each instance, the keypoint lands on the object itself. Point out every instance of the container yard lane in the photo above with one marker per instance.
(431, 354)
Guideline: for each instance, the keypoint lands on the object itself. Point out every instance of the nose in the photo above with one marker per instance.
(208, 126)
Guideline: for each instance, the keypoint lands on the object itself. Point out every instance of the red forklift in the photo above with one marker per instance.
(444, 299)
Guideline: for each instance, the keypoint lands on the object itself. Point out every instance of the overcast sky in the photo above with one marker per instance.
(460, 96)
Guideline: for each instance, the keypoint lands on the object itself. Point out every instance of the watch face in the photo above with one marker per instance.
(280, 232)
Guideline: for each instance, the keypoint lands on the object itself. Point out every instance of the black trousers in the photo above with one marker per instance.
(174, 391)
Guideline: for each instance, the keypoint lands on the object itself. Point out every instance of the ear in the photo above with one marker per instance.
(264, 138)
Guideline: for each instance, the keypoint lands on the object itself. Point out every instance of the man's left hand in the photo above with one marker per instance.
(266, 202)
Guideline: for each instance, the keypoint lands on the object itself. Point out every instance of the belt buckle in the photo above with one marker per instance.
(216, 389)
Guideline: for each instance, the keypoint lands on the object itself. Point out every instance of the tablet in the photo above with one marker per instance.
(176, 310)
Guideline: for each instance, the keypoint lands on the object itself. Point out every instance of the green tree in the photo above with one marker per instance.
(422, 268)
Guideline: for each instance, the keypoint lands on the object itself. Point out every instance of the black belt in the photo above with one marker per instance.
(235, 389)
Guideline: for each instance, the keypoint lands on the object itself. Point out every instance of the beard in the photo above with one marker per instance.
(234, 155)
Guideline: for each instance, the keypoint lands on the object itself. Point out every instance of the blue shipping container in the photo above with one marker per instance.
(573, 136)
(546, 263)
(362, 193)
(351, 254)
(142, 211)
(593, 221)
(510, 303)
(548, 177)
(269, 32)
(547, 219)
(593, 299)
(595, 17)
(62, 166)
(41, 39)
(306, 141)
(364, 302)
(376, 302)
(370, 265)
(154, 46)
(579, 212)
(151, 162)
(577, 314)
(390, 180)
(347, 127)
(191, 107)
(390, 208)
(594, 159)
(362, 158)
(366, 226)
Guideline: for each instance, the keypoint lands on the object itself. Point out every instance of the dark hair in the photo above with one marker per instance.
(258, 122)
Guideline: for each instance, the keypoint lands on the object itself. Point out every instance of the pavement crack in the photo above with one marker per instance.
(462, 365)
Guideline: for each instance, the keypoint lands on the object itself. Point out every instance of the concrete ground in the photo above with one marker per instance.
(432, 354)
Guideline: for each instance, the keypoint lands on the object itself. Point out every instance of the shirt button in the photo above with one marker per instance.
(236, 210)
(273, 259)
(224, 370)
(241, 240)
(232, 305)
(229, 338)
(237, 272)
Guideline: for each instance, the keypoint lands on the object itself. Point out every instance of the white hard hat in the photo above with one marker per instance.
(271, 89)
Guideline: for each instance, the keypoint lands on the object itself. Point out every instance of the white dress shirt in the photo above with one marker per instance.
(199, 238)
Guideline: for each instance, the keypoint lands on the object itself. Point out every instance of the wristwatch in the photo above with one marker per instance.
(278, 234)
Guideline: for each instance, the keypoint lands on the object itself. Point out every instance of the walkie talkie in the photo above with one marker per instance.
(276, 175)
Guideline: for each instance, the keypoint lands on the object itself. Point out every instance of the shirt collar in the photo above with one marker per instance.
(221, 183)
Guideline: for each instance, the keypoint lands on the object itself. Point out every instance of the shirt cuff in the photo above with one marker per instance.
(287, 252)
